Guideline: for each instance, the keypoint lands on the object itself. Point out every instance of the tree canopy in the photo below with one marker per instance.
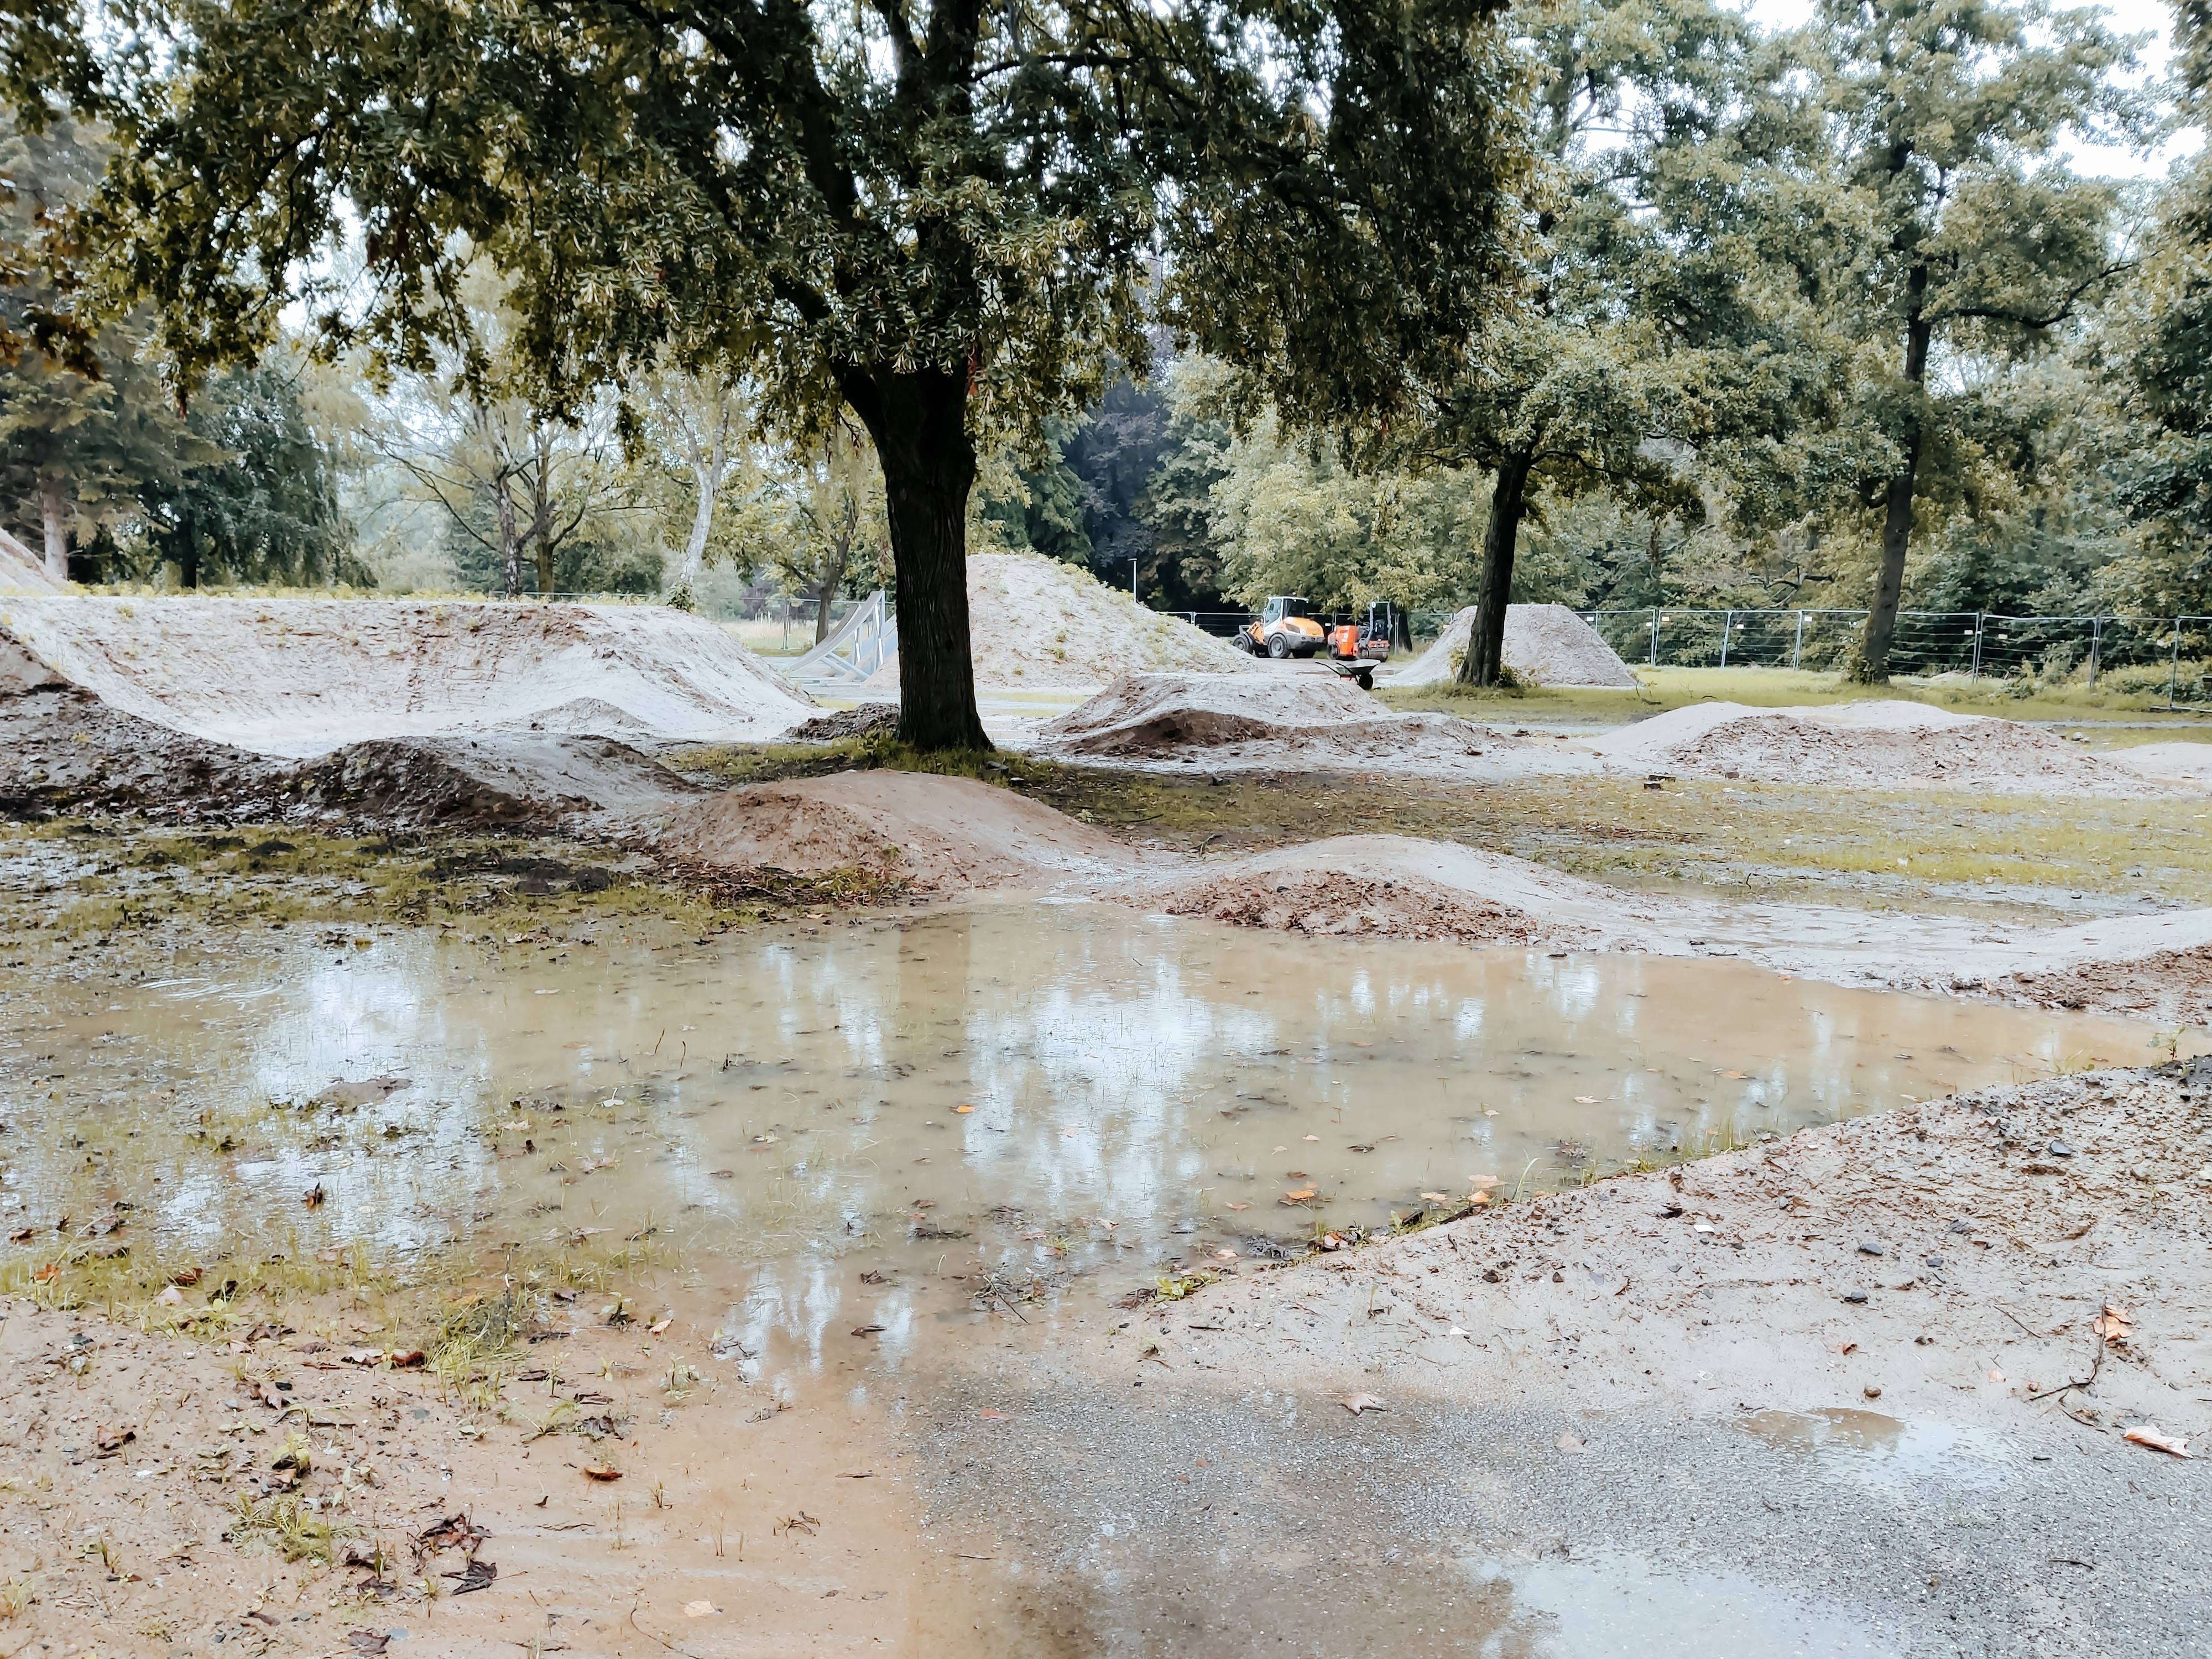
(949, 218)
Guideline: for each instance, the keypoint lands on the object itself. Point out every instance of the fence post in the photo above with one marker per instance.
(1728, 621)
(2173, 663)
(2096, 640)
(1976, 672)
(1797, 650)
(1655, 636)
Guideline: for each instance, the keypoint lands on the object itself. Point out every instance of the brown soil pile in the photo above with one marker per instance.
(1545, 645)
(505, 781)
(64, 751)
(1040, 622)
(1948, 1258)
(1394, 887)
(1298, 716)
(1866, 745)
(927, 833)
(864, 721)
(1340, 903)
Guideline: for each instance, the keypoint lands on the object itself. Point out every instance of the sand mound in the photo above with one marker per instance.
(1292, 717)
(508, 780)
(856, 722)
(1545, 645)
(301, 676)
(22, 571)
(2174, 762)
(1869, 746)
(930, 833)
(1038, 623)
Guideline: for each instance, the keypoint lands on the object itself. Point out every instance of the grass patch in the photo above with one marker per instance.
(2123, 692)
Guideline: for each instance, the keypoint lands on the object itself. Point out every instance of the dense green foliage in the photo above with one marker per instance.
(1617, 302)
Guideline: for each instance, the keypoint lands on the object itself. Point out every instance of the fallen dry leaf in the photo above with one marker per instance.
(1996, 1377)
(660, 1324)
(1298, 1197)
(602, 1471)
(1842, 1347)
(1357, 1403)
(1436, 1198)
(963, 1110)
(700, 1609)
(2145, 1435)
(1738, 1076)
(171, 1297)
(990, 1416)
(1585, 1100)
(1313, 1137)
(1567, 1443)
(1237, 1207)
(2114, 1324)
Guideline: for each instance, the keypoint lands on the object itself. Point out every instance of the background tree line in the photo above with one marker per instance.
(1678, 311)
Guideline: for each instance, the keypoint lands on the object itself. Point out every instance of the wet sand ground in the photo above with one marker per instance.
(1649, 1416)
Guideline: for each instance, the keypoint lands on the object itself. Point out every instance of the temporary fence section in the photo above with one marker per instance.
(1978, 644)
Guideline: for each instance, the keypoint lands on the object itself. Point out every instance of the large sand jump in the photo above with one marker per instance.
(1043, 625)
(302, 677)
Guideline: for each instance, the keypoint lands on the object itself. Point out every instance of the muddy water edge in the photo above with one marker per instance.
(766, 1183)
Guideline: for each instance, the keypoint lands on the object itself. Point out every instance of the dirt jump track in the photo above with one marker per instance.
(302, 677)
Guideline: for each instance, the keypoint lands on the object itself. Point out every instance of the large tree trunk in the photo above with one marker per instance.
(53, 517)
(833, 569)
(1873, 663)
(918, 423)
(510, 543)
(702, 525)
(1486, 640)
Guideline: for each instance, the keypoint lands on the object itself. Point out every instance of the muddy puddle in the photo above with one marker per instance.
(983, 1106)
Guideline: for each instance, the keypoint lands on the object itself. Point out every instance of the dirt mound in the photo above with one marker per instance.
(857, 722)
(62, 749)
(1038, 623)
(1396, 887)
(22, 571)
(929, 833)
(1867, 745)
(1545, 645)
(1291, 717)
(509, 780)
(2173, 762)
(1338, 903)
(302, 677)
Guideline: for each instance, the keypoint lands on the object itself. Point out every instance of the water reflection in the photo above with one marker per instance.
(1081, 1087)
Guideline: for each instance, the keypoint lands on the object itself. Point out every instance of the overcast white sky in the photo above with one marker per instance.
(2151, 17)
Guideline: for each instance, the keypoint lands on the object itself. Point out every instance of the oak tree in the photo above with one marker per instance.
(946, 215)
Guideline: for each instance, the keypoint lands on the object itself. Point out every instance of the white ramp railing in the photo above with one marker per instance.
(863, 642)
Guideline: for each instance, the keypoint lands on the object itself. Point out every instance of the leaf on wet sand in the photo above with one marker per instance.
(2144, 1434)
